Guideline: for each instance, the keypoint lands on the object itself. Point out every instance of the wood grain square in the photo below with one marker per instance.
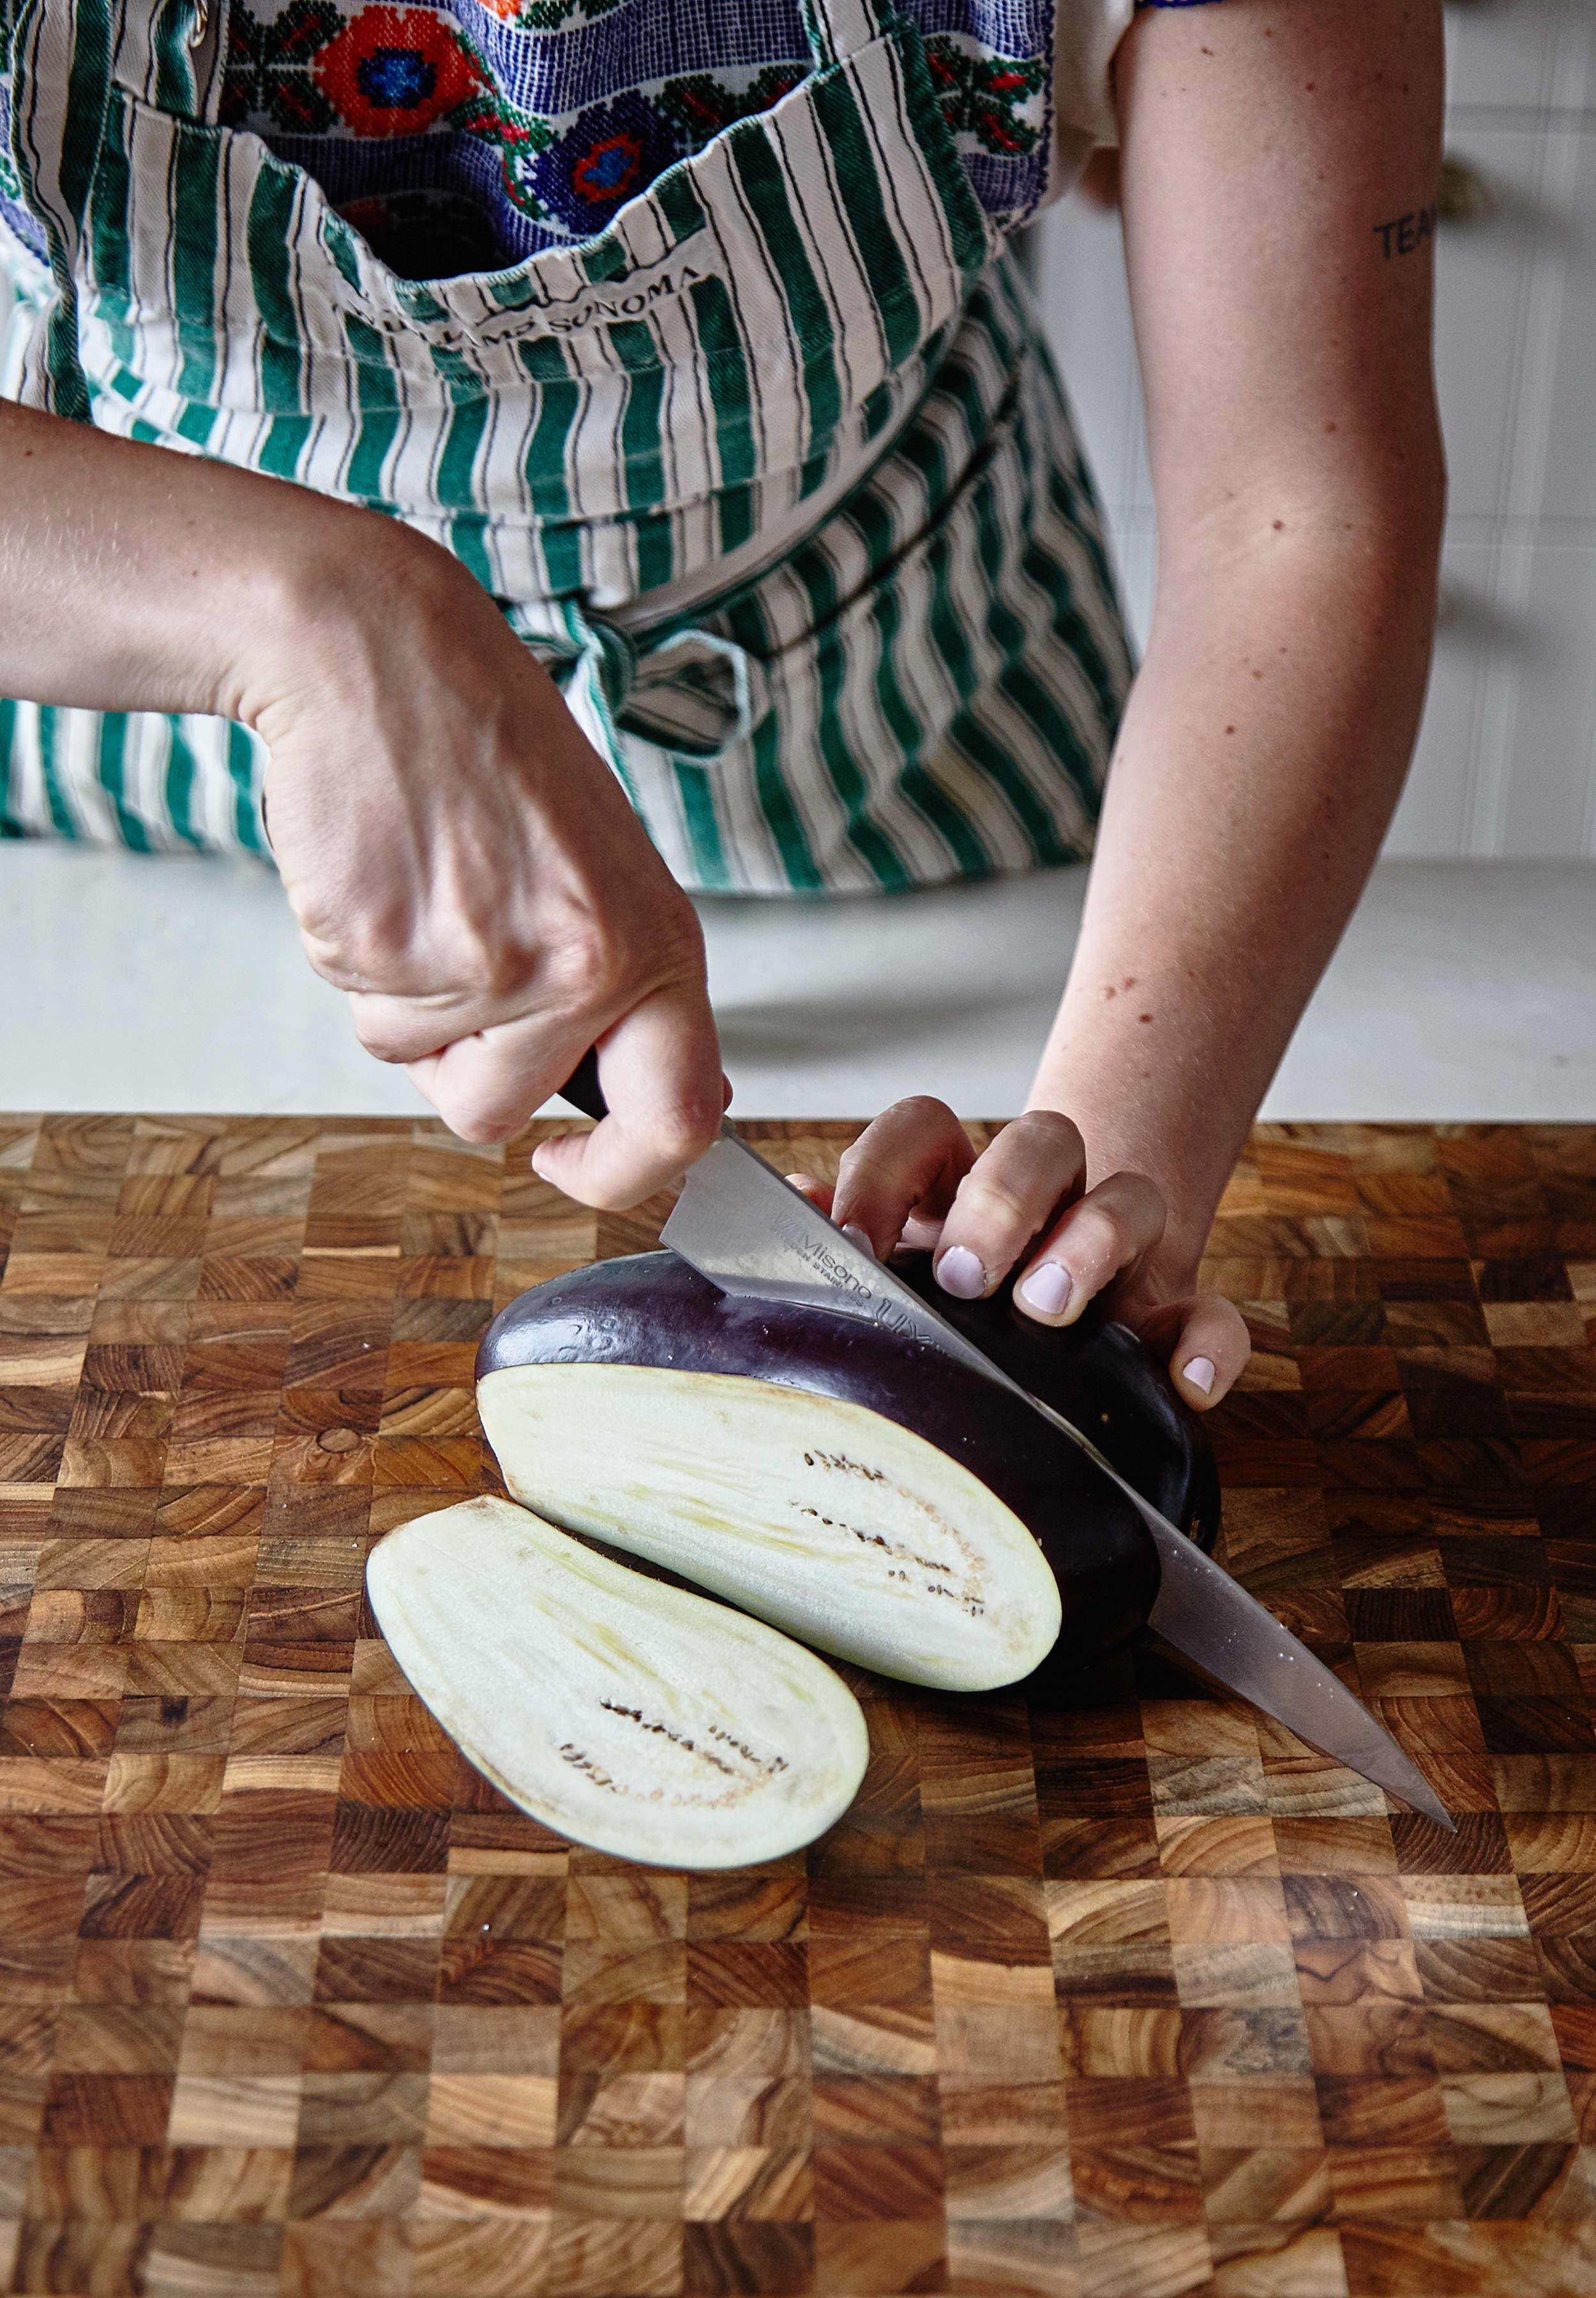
(650, 2109)
(879, 2257)
(491, 2109)
(367, 2037)
(483, 2182)
(734, 1971)
(906, 2039)
(748, 2183)
(1384, 2036)
(376, 1969)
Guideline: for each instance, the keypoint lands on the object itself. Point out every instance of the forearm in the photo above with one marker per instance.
(138, 579)
(1260, 757)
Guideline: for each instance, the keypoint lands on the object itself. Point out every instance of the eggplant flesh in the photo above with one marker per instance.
(823, 1518)
(856, 1487)
(629, 1714)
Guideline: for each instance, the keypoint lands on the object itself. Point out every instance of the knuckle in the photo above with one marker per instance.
(1045, 1126)
(587, 964)
(1134, 1191)
(386, 1042)
(919, 1116)
(989, 1195)
(676, 944)
(1095, 1241)
(485, 1126)
(687, 1128)
(920, 1109)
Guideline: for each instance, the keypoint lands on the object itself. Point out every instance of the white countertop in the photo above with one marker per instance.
(1461, 991)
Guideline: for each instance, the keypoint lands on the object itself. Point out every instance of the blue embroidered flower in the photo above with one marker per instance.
(397, 77)
(612, 153)
(394, 71)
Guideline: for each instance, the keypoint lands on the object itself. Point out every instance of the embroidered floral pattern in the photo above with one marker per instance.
(552, 132)
(267, 70)
(394, 72)
(700, 107)
(613, 151)
(997, 100)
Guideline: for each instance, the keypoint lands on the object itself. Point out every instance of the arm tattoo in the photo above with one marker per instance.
(1404, 234)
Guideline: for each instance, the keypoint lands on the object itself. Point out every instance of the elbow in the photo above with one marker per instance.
(1412, 502)
(1398, 525)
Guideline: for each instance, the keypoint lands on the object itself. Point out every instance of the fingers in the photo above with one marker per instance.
(485, 1086)
(410, 1030)
(819, 1193)
(1208, 1345)
(660, 1069)
(1106, 1230)
(1005, 1197)
(911, 1160)
(1100, 1236)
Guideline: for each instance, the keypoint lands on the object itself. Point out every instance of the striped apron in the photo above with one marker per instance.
(774, 473)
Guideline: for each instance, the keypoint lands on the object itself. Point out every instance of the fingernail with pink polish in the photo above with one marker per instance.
(855, 1236)
(960, 1273)
(1200, 1373)
(1047, 1288)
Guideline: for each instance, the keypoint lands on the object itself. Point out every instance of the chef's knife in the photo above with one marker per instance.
(750, 1233)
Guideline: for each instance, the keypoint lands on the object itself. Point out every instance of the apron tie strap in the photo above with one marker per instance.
(691, 692)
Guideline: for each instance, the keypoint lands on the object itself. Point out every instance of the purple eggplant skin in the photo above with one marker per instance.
(653, 1309)
(1097, 1374)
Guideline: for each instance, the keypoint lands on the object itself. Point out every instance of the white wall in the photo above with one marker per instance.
(1506, 763)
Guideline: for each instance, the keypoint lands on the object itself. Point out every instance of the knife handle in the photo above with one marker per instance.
(582, 1089)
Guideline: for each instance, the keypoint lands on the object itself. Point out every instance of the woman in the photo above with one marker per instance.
(675, 352)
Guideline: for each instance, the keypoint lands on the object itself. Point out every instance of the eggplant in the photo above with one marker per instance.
(630, 1715)
(1097, 1374)
(852, 1486)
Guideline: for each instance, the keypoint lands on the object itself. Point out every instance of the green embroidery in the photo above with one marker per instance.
(700, 107)
(268, 67)
(987, 96)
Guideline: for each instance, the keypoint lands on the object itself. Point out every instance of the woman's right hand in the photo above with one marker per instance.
(467, 867)
(459, 858)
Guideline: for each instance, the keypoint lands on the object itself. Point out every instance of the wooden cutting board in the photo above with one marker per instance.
(1139, 1998)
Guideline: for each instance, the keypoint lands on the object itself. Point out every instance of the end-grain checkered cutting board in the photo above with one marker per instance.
(1135, 1999)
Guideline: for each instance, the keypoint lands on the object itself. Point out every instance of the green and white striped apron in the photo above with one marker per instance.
(774, 473)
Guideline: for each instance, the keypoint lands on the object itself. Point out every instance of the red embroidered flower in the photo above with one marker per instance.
(394, 71)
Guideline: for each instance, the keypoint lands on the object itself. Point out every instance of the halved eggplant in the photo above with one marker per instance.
(627, 1714)
(851, 1485)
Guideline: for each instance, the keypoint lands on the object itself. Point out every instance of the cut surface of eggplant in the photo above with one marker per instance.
(828, 1521)
(625, 1713)
(856, 1487)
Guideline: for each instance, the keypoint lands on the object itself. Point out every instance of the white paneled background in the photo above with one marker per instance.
(1507, 760)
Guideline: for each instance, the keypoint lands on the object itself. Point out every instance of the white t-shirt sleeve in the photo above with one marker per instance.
(1085, 34)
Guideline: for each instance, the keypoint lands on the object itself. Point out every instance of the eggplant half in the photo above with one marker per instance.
(852, 1486)
(628, 1714)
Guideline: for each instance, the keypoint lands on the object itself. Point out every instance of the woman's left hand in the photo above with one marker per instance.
(912, 1179)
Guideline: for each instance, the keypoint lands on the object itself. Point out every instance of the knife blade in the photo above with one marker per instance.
(751, 1232)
